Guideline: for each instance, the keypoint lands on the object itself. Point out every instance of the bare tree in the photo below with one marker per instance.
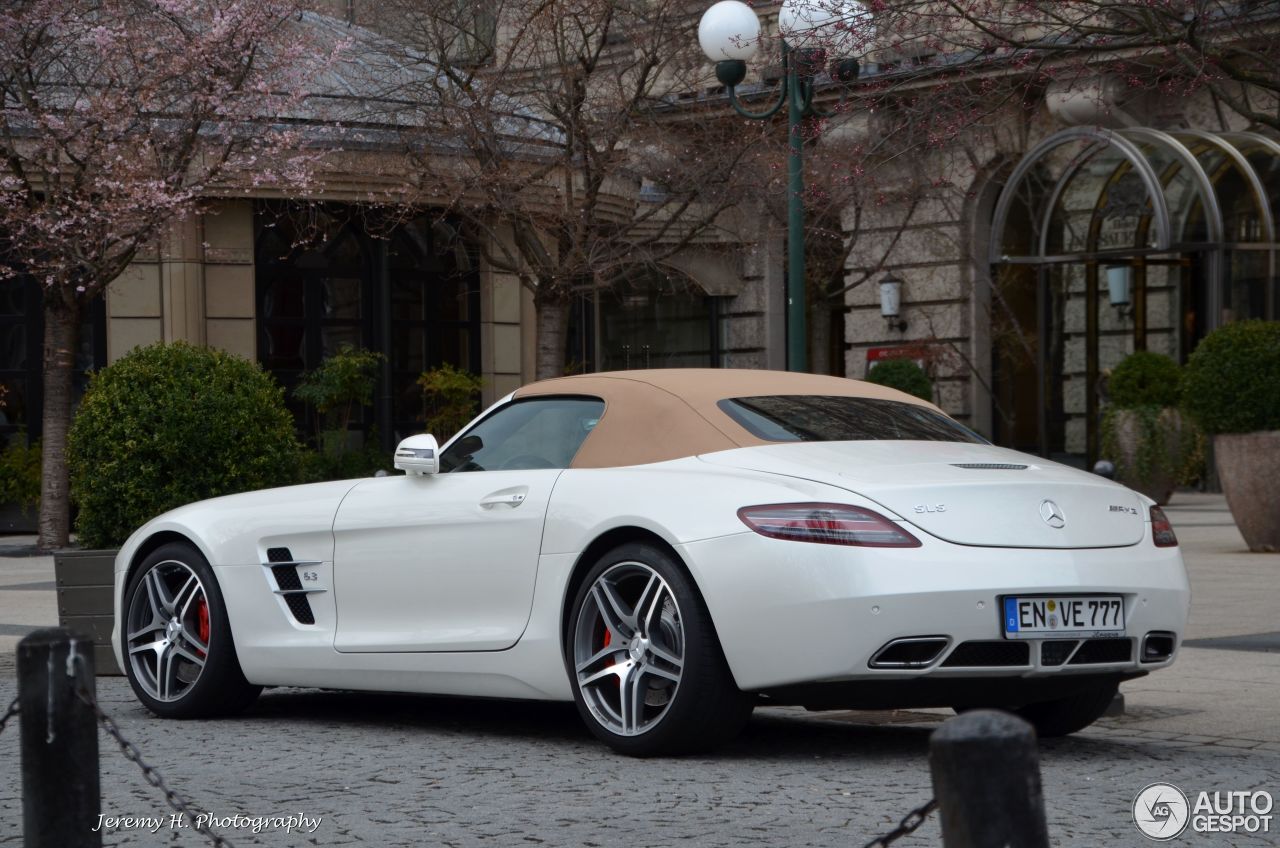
(946, 78)
(116, 118)
(1174, 47)
(561, 133)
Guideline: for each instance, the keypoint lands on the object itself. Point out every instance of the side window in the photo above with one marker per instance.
(539, 433)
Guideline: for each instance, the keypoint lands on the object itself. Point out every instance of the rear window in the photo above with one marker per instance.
(825, 418)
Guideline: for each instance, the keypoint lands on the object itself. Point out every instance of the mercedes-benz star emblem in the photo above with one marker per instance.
(1052, 515)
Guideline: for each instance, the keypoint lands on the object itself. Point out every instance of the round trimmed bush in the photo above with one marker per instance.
(1232, 380)
(1144, 378)
(169, 424)
(904, 375)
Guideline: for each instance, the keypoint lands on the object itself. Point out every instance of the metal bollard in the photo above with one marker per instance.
(986, 777)
(60, 792)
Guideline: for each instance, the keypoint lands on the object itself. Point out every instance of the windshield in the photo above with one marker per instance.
(827, 418)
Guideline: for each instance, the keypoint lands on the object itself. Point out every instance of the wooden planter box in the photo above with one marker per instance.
(84, 582)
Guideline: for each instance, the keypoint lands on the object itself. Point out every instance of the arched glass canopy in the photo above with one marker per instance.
(1113, 194)
(1133, 239)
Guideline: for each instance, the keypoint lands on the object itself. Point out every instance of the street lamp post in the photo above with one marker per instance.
(729, 34)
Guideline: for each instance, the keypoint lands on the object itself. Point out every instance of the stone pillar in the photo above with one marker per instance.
(182, 281)
(229, 283)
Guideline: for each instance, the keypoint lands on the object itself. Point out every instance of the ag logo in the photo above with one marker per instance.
(1161, 811)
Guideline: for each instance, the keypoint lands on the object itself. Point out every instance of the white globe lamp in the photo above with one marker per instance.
(802, 21)
(729, 31)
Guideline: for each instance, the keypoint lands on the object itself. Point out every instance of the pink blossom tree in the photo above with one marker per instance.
(118, 117)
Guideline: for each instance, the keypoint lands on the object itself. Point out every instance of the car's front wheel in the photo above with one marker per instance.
(178, 653)
(648, 673)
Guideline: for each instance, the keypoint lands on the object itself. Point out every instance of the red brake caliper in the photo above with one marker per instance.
(202, 621)
(606, 641)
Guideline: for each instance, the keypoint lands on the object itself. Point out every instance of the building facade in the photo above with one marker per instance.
(1066, 232)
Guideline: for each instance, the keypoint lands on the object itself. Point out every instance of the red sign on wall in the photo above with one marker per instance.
(920, 354)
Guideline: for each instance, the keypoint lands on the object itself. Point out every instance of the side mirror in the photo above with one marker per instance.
(418, 455)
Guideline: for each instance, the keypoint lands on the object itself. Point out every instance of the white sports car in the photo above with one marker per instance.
(668, 549)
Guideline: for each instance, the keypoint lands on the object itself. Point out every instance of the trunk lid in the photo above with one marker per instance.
(969, 494)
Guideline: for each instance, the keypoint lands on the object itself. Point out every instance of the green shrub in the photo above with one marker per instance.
(450, 398)
(904, 375)
(1232, 380)
(1144, 378)
(169, 424)
(347, 464)
(20, 473)
(343, 383)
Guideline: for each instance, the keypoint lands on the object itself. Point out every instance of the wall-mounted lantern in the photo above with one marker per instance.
(1119, 284)
(891, 303)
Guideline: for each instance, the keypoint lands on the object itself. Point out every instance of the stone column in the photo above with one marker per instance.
(182, 281)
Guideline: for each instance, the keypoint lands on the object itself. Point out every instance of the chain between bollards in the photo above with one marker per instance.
(77, 671)
(9, 713)
(910, 824)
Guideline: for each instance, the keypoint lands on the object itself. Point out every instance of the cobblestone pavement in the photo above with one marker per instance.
(392, 771)
(410, 771)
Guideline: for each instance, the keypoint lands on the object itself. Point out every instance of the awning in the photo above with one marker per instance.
(1097, 193)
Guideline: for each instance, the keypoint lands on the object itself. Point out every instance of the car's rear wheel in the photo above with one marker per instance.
(1064, 716)
(648, 673)
(177, 646)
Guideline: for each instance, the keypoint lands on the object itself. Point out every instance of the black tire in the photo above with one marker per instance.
(217, 688)
(1064, 716)
(704, 708)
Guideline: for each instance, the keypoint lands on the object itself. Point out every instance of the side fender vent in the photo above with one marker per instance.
(287, 578)
(284, 572)
(294, 595)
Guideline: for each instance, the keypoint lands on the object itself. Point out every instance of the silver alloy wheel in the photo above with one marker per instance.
(628, 648)
(167, 630)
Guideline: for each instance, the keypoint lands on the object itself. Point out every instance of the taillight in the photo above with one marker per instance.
(827, 524)
(1162, 530)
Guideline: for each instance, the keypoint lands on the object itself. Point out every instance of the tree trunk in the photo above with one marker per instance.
(61, 339)
(552, 324)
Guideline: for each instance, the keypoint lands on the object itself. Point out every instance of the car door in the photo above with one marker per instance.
(447, 561)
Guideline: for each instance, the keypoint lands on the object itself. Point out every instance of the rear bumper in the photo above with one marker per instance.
(792, 613)
(935, 691)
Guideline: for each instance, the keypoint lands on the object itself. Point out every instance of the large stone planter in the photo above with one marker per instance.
(84, 582)
(1249, 471)
(1127, 438)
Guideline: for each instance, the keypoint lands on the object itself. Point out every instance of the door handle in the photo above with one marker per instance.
(507, 497)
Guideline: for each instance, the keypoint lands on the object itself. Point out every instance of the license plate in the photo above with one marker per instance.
(1063, 616)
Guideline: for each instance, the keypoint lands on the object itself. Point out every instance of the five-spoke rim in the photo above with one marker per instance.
(628, 648)
(167, 630)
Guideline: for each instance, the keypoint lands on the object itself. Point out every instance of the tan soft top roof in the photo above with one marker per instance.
(670, 413)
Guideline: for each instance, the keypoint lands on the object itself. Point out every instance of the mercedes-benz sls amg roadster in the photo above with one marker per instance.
(669, 549)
